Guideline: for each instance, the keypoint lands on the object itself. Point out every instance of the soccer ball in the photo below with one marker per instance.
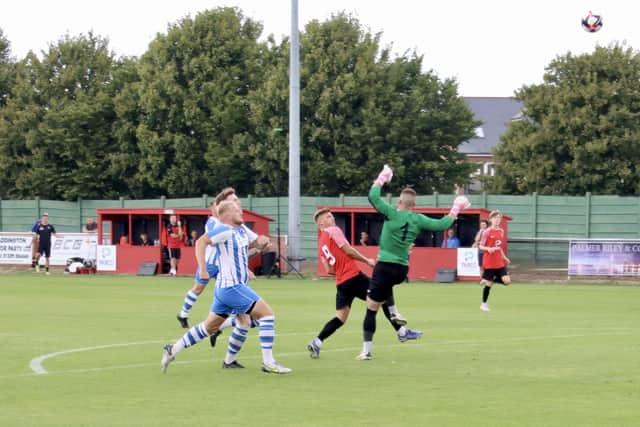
(592, 23)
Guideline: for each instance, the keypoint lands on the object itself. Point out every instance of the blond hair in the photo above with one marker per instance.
(224, 206)
(226, 192)
(408, 197)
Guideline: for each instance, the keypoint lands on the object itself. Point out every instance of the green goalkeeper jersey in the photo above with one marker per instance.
(400, 229)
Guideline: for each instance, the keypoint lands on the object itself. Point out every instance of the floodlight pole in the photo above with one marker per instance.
(294, 140)
(277, 264)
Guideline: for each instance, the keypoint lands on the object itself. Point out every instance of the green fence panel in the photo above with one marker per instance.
(554, 217)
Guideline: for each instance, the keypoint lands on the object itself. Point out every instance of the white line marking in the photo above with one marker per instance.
(38, 369)
(36, 362)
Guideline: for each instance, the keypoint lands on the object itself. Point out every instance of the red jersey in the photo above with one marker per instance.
(493, 238)
(173, 242)
(330, 243)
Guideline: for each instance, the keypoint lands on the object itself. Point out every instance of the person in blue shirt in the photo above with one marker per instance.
(451, 241)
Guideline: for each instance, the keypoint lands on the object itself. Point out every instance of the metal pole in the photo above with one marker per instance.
(294, 140)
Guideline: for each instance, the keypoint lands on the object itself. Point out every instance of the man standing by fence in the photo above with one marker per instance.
(44, 231)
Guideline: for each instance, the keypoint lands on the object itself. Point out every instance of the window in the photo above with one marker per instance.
(489, 169)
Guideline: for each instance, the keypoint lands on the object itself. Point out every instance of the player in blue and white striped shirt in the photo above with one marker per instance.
(211, 259)
(233, 296)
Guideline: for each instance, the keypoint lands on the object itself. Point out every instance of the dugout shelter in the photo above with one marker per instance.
(427, 256)
(123, 227)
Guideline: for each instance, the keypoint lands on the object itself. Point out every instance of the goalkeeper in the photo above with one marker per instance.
(401, 226)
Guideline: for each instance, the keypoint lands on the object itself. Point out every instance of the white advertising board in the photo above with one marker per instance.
(15, 248)
(106, 258)
(468, 262)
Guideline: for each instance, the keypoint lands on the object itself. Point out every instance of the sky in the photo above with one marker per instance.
(491, 47)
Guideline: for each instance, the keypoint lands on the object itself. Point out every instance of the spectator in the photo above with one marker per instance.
(44, 232)
(124, 239)
(451, 241)
(191, 241)
(364, 238)
(34, 244)
(175, 238)
(144, 240)
(90, 226)
(476, 242)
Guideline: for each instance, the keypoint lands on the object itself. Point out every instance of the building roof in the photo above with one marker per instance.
(495, 114)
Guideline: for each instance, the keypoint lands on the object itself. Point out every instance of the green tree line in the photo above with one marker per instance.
(206, 106)
(580, 129)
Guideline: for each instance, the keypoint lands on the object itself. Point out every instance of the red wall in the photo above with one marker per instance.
(129, 258)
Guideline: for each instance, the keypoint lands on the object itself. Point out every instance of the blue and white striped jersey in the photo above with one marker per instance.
(232, 245)
(211, 223)
(211, 253)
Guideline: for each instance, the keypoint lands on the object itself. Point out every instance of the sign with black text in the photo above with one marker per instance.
(15, 248)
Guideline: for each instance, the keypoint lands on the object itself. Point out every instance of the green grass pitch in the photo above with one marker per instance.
(547, 355)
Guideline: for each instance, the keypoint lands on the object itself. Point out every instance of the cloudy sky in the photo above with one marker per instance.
(491, 47)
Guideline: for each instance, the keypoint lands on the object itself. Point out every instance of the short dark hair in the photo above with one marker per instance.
(226, 192)
(319, 212)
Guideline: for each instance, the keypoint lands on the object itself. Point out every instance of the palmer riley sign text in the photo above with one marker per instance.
(604, 258)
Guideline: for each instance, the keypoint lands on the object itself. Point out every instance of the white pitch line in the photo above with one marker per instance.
(36, 362)
(38, 369)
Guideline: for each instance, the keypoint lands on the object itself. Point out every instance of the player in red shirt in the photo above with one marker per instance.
(494, 261)
(339, 259)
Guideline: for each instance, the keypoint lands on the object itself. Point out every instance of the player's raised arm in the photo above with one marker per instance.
(375, 194)
(459, 204)
(432, 224)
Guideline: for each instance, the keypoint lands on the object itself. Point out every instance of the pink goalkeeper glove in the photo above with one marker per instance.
(384, 176)
(459, 204)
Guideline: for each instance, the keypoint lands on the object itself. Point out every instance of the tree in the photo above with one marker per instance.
(580, 128)
(359, 110)
(6, 69)
(56, 126)
(192, 93)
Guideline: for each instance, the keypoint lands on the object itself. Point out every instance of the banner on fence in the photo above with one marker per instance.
(15, 248)
(468, 262)
(73, 245)
(604, 258)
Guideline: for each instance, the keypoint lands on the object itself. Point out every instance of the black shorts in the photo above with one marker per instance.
(385, 276)
(495, 274)
(44, 249)
(356, 287)
(174, 253)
